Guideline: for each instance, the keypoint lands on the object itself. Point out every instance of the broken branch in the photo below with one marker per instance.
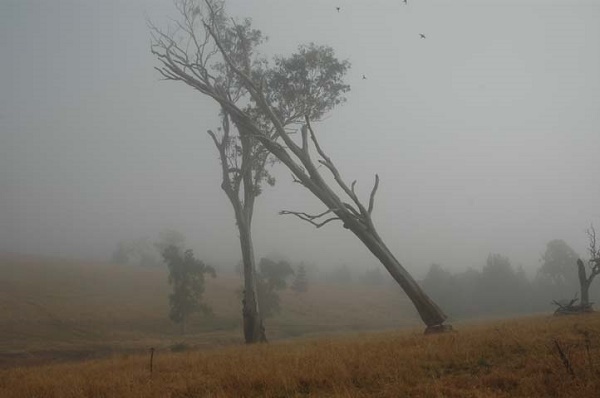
(373, 192)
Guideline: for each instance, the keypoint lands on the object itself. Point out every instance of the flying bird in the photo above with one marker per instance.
(422, 36)
(364, 77)
(338, 9)
(405, 2)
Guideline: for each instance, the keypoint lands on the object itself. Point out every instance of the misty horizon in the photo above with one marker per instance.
(484, 134)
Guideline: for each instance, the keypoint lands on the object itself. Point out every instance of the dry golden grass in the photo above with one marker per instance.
(53, 308)
(516, 358)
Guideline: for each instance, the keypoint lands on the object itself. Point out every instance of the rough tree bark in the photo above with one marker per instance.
(584, 283)
(352, 213)
(236, 177)
(254, 330)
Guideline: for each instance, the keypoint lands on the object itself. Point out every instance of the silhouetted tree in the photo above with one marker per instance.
(187, 277)
(143, 252)
(463, 292)
(495, 289)
(300, 283)
(121, 254)
(136, 252)
(558, 261)
(340, 275)
(272, 279)
(241, 84)
(440, 284)
(585, 280)
(169, 237)
(501, 286)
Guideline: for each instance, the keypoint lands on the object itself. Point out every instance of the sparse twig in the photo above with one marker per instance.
(151, 359)
(310, 217)
(564, 358)
(373, 192)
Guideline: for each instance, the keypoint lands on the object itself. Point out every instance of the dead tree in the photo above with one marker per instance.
(219, 32)
(569, 307)
(585, 280)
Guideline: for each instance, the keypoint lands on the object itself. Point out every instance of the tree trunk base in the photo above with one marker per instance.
(436, 329)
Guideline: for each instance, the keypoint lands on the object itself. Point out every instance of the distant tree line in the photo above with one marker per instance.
(499, 288)
(145, 253)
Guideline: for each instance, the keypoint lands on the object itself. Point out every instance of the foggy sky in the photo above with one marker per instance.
(485, 135)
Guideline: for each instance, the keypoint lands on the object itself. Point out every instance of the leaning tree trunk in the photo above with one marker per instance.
(429, 312)
(254, 331)
(356, 217)
(297, 158)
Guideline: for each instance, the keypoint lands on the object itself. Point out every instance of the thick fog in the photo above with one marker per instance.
(485, 134)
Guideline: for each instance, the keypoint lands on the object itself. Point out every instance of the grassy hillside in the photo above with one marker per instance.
(50, 308)
(518, 358)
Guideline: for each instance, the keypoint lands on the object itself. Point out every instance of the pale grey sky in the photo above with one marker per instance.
(485, 134)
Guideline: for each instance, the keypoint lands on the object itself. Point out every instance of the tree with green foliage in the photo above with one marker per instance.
(501, 285)
(218, 56)
(557, 263)
(272, 278)
(307, 84)
(187, 277)
(169, 237)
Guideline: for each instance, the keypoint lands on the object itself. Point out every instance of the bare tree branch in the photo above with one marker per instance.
(311, 218)
(594, 252)
(326, 161)
(373, 192)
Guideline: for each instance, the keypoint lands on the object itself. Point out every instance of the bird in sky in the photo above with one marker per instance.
(422, 36)
(405, 2)
(338, 9)
(364, 77)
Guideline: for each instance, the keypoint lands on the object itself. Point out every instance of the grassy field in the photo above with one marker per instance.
(87, 329)
(516, 358)
(55, 309)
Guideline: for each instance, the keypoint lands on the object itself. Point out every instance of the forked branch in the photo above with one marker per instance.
(594, 252)
(363, 214)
